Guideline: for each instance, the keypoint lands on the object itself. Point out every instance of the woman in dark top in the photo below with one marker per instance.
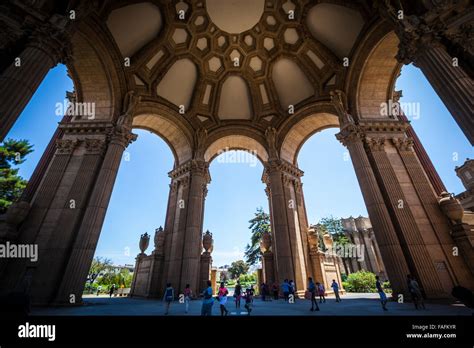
(238, 294)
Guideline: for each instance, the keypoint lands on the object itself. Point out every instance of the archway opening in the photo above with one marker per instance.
(137, 206)
(235, 194)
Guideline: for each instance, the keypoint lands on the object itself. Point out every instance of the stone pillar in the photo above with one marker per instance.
(184, 223)
(389, 244)
(58, 230)
(363, 226)
(205, 271)
(289, 240)
(449, 80)
(87, 236)
(39, 213)
(19, 83)
(268, 268)
(192, 244)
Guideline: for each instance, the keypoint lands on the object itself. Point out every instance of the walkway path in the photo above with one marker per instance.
(351, 305)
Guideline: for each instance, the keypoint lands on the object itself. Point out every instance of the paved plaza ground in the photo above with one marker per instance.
(352, 305)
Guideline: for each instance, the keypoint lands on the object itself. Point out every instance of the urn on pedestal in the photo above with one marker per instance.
(144, 242)
(208, 242)
(451, 207)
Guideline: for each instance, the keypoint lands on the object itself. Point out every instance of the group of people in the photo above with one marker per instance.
(315, 290)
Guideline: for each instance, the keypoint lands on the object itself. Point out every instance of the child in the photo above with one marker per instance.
(222, 296)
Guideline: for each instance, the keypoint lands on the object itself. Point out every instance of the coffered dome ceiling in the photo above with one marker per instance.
(235, 60)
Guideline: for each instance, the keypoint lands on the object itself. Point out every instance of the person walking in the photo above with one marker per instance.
(208, 301)
(275, 291)
(292, 289)
(335, 288)
(415, 292)
(248, 300)
(222, 296)
(321, 292)
(187, 297)
(99, 288)
(383, 297)
(285, 288)
(312, 289)
(111, 290)
(263, 291)
(168, 297)
(237, 294)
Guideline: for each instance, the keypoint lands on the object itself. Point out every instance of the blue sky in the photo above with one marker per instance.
(139, 199)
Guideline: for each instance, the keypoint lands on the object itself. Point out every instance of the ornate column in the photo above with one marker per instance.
(28, 230)
(445, 260)
(420, 45)
(289, 240)
(390, 248)
(18, 83)
(363, 226)
(192, 244)
(190, 180)
(54, 249)
(87, 236)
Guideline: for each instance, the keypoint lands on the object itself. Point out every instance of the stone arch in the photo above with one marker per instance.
(159, 120)
(236, 142)
(302, 131)
(374, 83)
(96, 72)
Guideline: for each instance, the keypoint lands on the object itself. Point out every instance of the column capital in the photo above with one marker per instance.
(349, 134)
(375, 144)
(121, 135)
(53, 39)
(66, 146)
(403, 144)
(191, 167)
(95, 146)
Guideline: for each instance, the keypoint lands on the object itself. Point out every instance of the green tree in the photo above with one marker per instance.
(237, 268)
(99, 266)
(335, 228)
(12, 152)
(258, 225)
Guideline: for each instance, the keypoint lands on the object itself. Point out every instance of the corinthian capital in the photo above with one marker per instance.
(65, 146)
(403, 144)
(349, 134)
(375, 144)
(122, 135)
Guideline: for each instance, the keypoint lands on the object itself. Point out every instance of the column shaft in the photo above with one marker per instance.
(19, 83)
(88, 234)
(389, 244)
(452, 84)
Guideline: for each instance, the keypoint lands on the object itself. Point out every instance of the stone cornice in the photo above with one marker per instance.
(289, 171)
(91, 127)
(192, 167)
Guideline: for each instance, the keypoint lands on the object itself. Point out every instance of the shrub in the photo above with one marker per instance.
(361, 281)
